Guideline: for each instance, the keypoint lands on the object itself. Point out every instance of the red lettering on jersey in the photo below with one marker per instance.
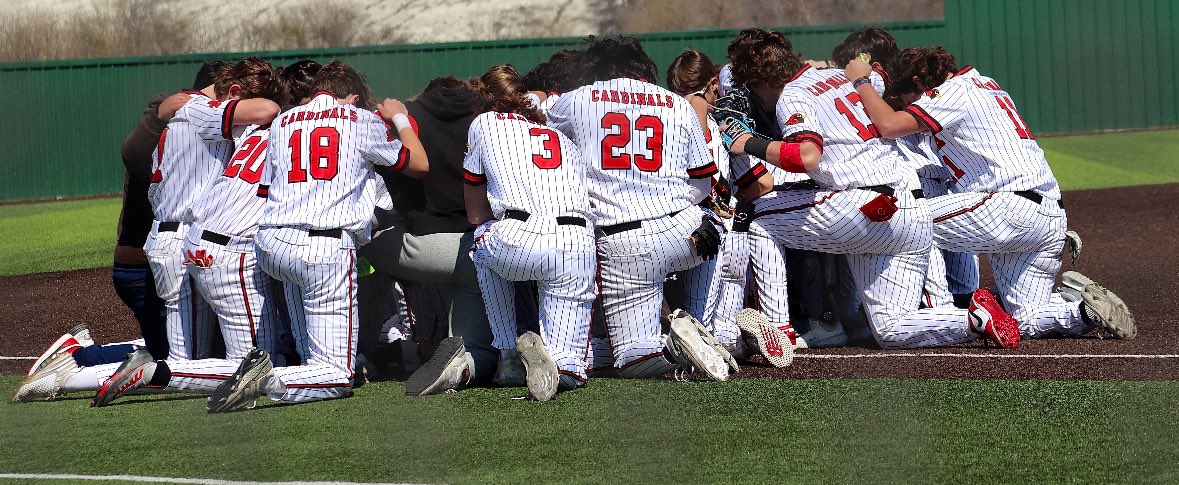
(301, 116)
(670, 104)
(214, 104)
(352, 118)
(992, 85)
(614, 98)
(594, 95)
(624, 98)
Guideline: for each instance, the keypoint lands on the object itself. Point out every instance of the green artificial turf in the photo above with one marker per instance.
(57, 236)
(626, 431)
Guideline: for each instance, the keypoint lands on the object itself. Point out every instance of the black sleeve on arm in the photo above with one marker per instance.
(142, 140)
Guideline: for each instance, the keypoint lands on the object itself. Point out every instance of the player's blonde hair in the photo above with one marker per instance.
(503, 91)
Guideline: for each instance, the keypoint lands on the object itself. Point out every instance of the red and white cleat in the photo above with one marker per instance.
(988, 318)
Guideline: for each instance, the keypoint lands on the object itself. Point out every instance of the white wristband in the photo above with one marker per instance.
(401, 122)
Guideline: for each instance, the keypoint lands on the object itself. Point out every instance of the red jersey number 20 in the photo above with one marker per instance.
(247, 163)
(323, 155)
(618, 135)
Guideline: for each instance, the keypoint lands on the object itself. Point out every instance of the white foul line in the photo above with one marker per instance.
(4, 357)
(883, 355)
(136, 478)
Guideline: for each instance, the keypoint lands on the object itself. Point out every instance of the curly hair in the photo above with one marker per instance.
(298, 78)
(342, 80)
(762, 56)
(502, 88)
(611, 58)
(929, 65)
(560, 74)
(691, 71)
(875, 41)
(256, 78)
(206, 75)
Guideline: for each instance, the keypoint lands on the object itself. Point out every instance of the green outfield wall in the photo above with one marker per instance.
(1071, 66)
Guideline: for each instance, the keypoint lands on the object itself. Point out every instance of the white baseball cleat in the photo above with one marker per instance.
(543, 378)
(693, 348)
(450, 369)
(246, 384)
(47, 381)
(1102, 308)
(770, 341)
(77, 337)
(134, 373)
(823, 335)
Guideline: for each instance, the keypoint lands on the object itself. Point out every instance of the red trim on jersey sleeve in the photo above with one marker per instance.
(402, 159)
(810, 136)
(158, 175)
(964, 70)
(227, 120)
(263, 191)
(473, 178)
(755, 172)
(923, 117)
(703, 171)
(413, 124)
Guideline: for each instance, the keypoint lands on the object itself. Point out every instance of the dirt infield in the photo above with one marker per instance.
(1129, 246)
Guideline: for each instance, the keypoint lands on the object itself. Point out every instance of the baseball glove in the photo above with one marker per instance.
(706, 238)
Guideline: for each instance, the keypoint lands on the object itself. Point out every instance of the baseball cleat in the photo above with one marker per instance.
(47, 381)
(77, 337)
(543, 378)
(988, 318)
(448, 370)
(770, 341)
(691, 346)
(135, 372)
(823, 335)
(511, 370)
(246, 384)
(1102, 308)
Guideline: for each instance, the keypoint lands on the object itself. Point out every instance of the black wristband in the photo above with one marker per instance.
(861, 81)
(757, 147)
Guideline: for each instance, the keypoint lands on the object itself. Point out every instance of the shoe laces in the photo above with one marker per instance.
(684, 374)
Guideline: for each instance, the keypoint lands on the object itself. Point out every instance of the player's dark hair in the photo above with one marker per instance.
(206, 74)
(874, 41)
(929, 65)
(690, 72)
(342, 80)
(440, 83)
(560, 74)
(256, 78)
(611, 58)
(299, 79)
(503, 91)
(763, 56)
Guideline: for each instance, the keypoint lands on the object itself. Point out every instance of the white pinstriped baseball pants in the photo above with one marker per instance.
(950, 273)
(634, 265)
(189, 319)
(1025, 242)
(243, 298)
(319, 279)
(888, 260)
(561, 259)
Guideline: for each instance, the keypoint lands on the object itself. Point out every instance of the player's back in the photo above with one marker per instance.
(640, 143)
(230, 205)
(527, 166)
(188, 157)
(318, 167)
(821, 105)
(986, 141)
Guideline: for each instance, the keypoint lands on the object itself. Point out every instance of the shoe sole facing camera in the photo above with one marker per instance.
(244, 385)
(542, 377)
(988, 318)
(1116, 319)
(772, 343)
(687, 342)
(427, 378)
(63, 342)
(47, 381)
(133, 373)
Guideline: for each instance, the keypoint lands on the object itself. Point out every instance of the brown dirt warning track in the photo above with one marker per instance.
(1130, 240)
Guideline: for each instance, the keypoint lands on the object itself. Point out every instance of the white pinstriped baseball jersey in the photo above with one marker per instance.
(641, 144)
(230, 205)
(820, 105)
(526, 166)
(988, 146)
(191, 150)
(320, 162)
(921, 156)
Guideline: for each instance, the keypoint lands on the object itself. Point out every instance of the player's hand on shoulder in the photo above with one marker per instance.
(390, 107)
(171, 105)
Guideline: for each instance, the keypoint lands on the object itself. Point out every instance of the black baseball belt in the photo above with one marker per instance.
(1034, 197)
(889, 191)
(168, 227)
(562, 220)
(627, 226)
